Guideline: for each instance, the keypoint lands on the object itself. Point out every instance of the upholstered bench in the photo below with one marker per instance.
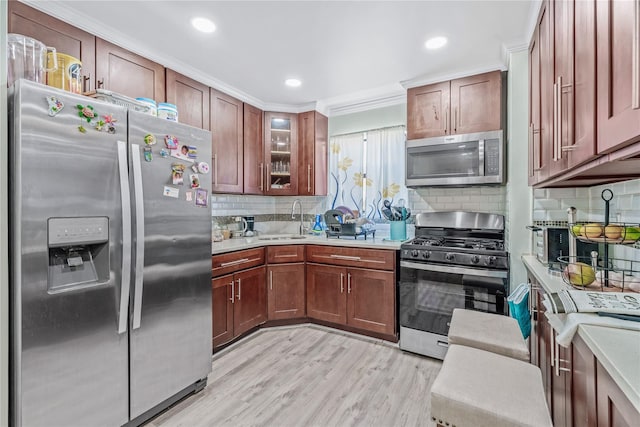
(476, 388)
(487, 331)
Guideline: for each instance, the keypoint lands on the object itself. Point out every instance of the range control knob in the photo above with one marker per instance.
(491, 260)
(475, 259)
(426, 254)
(414, 253)
(449, 256)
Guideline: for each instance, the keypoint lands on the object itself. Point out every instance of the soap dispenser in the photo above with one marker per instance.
(317, 226)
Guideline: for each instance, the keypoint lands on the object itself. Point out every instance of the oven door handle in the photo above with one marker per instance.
(455, 269)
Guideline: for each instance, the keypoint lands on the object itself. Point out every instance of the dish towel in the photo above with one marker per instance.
(519, 308)
(566, 325)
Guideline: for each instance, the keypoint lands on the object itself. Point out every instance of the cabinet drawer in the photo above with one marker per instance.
(282, 254)
(377, 259)
(235, 261)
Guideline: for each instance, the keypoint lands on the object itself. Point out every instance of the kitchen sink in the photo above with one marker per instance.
(281, 237)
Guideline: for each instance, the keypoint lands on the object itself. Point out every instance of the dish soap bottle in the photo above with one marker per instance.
(317, 226)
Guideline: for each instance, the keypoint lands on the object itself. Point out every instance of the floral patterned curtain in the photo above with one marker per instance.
(367, 167)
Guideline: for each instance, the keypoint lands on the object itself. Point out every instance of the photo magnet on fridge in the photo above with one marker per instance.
(177, 172)
(182, 153)
(171, 142)
(201, 197)
(171, 192)
(189, 196)
(195, 180)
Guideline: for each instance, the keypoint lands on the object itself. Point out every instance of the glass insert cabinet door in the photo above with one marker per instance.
(281, 153)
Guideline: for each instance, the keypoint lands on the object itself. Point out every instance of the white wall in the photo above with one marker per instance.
(519, 194)
(393, 115)
(4, 240)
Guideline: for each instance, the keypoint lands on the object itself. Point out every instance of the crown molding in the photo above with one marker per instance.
(534, 11)
(421, 81)
(366, 104)
(507, 50)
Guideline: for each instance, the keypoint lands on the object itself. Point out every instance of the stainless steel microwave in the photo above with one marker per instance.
(468, 159)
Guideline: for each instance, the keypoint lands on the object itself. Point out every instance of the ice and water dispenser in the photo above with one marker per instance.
(78, 252)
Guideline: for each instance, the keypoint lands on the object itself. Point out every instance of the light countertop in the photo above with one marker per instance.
(237, 244)
(618, 350)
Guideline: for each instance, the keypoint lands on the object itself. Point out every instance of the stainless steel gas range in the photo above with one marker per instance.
(456, 260)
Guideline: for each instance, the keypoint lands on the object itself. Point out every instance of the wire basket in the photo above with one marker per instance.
(615, 233)
(589, 274)
(118, 99)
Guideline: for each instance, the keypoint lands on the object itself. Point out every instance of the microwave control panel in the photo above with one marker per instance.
(491, 157)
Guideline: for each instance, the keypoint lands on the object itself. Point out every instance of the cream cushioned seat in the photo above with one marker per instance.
(487, 331)
(476, 388)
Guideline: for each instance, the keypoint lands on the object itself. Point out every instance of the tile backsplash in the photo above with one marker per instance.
(476, 199)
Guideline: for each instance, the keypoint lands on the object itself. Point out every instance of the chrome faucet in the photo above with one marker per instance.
(293, 212)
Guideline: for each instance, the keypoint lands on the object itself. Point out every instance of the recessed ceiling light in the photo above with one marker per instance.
(203, 24)
(292, 82)
(435, 42)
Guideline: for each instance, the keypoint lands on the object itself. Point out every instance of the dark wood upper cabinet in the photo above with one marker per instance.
(476, 103)
(281, 153)
(66, 38)
(312, 141)
(227, 128)
(191, 98)
(562, 72)
(428, 111)
(126, 73)
(254, 173)
(618, 72)
(545, 40)
(535, 150)
(465, 105)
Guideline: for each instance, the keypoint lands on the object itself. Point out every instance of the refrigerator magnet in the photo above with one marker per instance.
(82, 129)
(194, 168)
(148, 156)
(149, 139)
(86, 113)
(177, 172)
(171, 192)
(195, 180)
(110, 123)
(203, 167)
(55, 105)
(201, 197)
(189, 196)
(171, 142)
(192, 151)
(164, 153)
(182, 153)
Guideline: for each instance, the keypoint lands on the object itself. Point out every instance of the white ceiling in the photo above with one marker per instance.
(347, 53)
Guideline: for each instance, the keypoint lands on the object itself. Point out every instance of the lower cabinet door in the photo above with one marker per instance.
(285, 291)
(371, 300)
(326, 293)
(614, 408)
(222, 306)
(583, 384)
(250, 307)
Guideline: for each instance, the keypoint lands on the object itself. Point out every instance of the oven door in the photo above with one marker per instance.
(428, 293)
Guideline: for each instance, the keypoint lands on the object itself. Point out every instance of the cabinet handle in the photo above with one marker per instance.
(308, 178)
(350, 258)
(230, 263)
(341, 283)
(531, 149)
(100, 83)
(446, 119)
(635, 79)
(86, 87)
(215, 169)
(268, 177)
(348, 283)
(455, 119)
(559, 144)
(239, 288)
(271, 280)
(233, 291)
(554, 137)
(261, 176)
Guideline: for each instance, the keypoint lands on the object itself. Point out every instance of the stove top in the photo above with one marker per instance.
(458, 239)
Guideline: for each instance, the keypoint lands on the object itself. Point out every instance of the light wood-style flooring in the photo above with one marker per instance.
(310, 376)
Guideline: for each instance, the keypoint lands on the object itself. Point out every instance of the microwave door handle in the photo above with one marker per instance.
(481, 157)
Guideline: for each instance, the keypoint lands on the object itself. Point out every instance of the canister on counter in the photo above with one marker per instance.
(153, 108)
(168, 111)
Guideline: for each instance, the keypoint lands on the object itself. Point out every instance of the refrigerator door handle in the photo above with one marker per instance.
(126, 237)
(139, 205)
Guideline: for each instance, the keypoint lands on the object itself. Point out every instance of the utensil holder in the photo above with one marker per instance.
(398, 230)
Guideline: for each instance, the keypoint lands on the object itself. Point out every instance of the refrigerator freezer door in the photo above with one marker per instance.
(171, 302)
(69, 363)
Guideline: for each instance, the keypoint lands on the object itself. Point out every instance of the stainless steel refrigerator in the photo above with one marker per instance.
(111, 260)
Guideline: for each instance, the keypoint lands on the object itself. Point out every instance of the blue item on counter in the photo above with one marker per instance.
(519, 308)
(317, 226)
(168, 111)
